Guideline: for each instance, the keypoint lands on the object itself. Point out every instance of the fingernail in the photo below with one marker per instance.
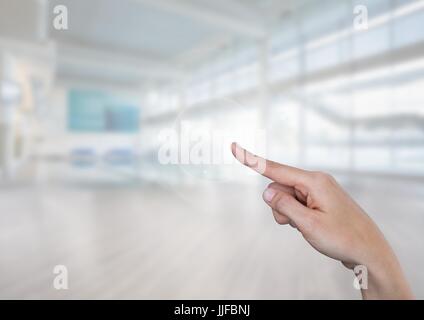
(269, 194)
(233, 147)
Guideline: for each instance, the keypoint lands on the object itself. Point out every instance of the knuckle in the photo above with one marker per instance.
(282, 201)
(322, 177)
(281, 220)
(273, 185)
(311, 224)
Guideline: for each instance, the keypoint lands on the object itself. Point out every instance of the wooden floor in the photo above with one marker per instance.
(210, 241)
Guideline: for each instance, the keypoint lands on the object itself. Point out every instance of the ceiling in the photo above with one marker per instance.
(130, 26)
(135, 40)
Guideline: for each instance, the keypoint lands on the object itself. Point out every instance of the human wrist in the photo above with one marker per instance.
(386, 279)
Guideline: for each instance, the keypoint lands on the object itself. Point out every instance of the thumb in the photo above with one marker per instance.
(287, 205)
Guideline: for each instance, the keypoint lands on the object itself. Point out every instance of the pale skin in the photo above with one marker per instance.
(331, 222)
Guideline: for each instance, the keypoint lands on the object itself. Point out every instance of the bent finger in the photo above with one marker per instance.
(285, 204)
(280, 218)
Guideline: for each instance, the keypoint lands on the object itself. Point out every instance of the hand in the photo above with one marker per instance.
(331, 222)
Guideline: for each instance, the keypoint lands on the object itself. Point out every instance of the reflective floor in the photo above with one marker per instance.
(208, 241)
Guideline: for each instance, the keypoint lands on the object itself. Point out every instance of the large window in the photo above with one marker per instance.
(337, 97)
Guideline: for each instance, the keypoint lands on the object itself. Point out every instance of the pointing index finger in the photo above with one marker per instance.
(277, 172)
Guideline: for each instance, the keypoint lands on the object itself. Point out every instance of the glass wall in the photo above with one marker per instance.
(336, 97)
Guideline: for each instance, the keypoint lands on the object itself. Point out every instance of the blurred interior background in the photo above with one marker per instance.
(82, 111)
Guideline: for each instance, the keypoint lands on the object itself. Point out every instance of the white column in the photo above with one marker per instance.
(302, 110)
(7, 116)
(43, 20)
(351, 113)
(7, 139)
(264, 90)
